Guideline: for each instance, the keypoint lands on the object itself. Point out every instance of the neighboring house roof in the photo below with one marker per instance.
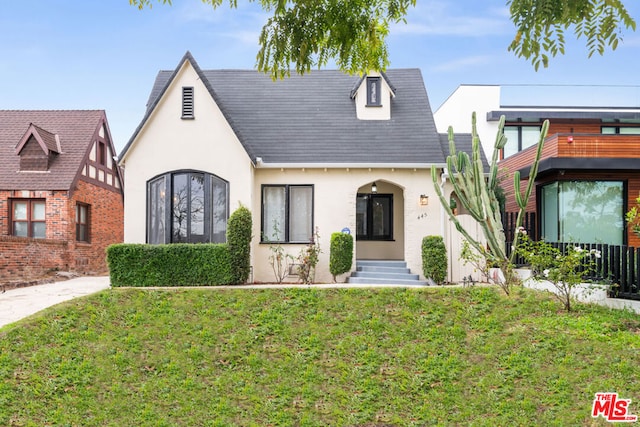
(312, 118)
(541, 114)
(47, 140)
(75, 130)
(463, 142)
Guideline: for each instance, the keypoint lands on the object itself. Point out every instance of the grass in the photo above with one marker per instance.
(315, 358)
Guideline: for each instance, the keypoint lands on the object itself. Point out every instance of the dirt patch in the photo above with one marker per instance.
(51, 277)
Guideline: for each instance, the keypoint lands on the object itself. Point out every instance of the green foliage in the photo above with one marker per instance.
(541, 25)
(564, 269)
(479, 196)
(434, 259)
(308, 259)
(340, 254)
(352, 33)
(239, 240)
(478, 261)
(633, 217)
(314, 357)
(178, 264)
(280, 260)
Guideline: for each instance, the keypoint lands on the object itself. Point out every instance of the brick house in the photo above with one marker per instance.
(61, 197)
(589, 173)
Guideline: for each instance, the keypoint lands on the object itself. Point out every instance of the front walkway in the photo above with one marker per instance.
(19, 303)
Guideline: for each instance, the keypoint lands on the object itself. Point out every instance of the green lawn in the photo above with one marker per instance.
(428, 356)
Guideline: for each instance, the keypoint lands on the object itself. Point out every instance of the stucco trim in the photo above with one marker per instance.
(260, 164)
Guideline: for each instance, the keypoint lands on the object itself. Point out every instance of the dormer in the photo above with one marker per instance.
(372, 95)
(37, 149)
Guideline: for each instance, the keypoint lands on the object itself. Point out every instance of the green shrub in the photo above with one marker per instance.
(434, 259)
(340, 254)
(179, 264)
(308, 260)
(239, 241)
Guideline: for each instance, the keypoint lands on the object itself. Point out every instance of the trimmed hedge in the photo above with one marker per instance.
(340, 254)
(177, 264)
(434, 259)
(239, 240)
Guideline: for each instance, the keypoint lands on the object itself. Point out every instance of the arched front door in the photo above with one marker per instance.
(380, 221)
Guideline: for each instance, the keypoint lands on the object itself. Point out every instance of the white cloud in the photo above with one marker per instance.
(462, 63)
(244, 37)
(462, 18)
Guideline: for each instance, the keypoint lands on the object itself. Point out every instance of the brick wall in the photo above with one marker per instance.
(106, 220)
(24, 258)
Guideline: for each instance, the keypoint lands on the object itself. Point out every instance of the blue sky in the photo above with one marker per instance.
(104, 54)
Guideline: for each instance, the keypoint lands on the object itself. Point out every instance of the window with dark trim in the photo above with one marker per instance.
(287, 213)
(585, 211)
(82, 222)
(187, 103)
(187, 207)
(373, 92)
(520, 137)
(102, 152)
(28, 218)
(374, 217)
(620, 130)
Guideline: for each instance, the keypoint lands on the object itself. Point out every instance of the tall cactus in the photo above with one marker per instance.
(476, 192)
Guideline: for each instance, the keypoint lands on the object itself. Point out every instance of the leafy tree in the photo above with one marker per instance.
(353, 32)
(541, 24)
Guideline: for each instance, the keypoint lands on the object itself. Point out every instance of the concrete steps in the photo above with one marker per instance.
(384, 272)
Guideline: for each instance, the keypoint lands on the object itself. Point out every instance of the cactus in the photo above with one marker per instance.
(476, 193)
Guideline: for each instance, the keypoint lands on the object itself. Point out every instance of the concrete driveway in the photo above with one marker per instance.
(16, 304)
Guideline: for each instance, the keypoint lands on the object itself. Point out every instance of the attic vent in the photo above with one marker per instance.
(187, 103)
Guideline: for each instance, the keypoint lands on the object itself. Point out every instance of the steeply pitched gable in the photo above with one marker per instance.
(74, 129)
(37, 149)
(312, 118)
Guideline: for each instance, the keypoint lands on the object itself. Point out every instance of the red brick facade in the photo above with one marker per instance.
(27, 258)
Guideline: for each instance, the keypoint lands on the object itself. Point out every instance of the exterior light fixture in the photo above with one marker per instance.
(424, 200)
(374, 188)
(570, 139)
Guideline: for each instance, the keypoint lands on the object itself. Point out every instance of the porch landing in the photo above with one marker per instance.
(384, 272)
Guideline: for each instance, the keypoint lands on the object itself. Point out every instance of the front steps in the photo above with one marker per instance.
(384, 273)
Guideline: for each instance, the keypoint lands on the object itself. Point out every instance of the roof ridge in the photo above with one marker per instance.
(52, 110)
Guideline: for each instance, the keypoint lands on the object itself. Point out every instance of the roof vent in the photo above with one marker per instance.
(187, 103)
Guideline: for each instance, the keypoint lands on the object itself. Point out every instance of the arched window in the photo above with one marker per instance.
(187, 207)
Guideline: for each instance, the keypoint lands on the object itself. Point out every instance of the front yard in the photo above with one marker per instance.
(428, 356)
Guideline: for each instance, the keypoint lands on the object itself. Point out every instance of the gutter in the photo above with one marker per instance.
(323, 165)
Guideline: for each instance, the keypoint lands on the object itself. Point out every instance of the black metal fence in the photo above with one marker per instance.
(618, 265)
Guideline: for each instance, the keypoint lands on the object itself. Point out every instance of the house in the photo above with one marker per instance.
(324, 152)
(61, 199)
(589, 175)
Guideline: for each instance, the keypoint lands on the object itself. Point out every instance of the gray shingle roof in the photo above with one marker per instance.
(464, 142)
(312, 118)
(75, 129)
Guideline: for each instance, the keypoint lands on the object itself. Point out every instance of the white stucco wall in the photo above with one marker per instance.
(167, 143)
(207, 143)
(381, 112)
(456, 111)
(335, 192)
